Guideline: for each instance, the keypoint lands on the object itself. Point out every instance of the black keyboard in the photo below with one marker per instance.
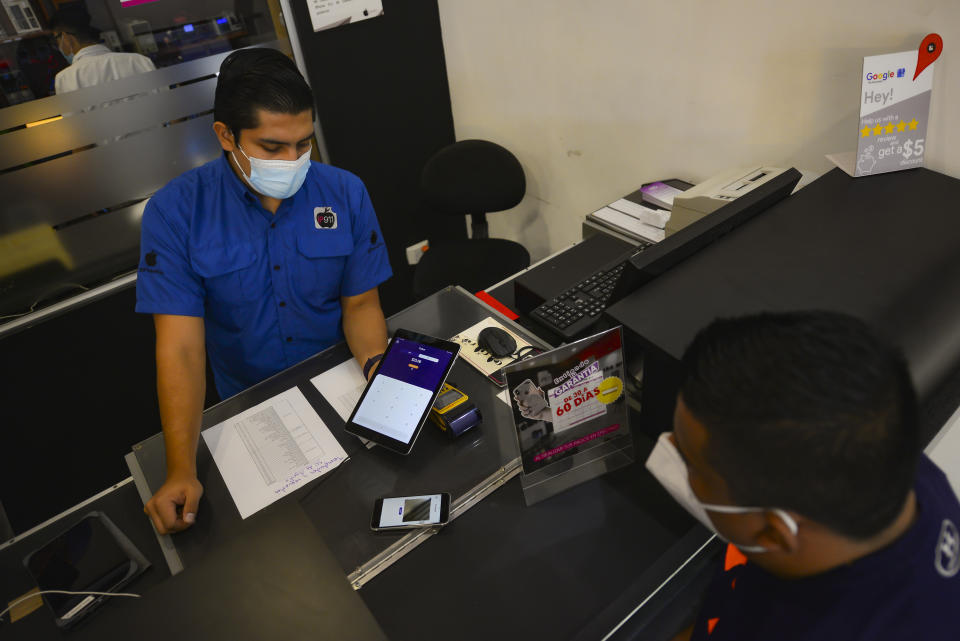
(576, 309)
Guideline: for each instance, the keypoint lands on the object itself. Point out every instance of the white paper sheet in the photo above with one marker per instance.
(272, 449)
(630, 224)
(327, 14)
(655, 217)
(341, 386)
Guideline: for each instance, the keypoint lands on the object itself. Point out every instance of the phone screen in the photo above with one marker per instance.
(408, 511)
(402, 389)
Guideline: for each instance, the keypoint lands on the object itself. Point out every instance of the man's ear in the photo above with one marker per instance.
(70, 41)
(224, 136)
(776, 535)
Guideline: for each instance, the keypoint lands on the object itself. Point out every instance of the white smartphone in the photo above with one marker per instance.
(408, 512)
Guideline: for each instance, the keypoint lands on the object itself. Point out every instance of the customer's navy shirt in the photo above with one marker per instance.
(908, 591)
(267, 286)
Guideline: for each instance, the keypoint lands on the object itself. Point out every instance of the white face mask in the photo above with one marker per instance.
(668, 467)
(276, 178)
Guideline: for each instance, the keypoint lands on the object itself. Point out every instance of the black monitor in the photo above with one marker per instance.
(644, 266)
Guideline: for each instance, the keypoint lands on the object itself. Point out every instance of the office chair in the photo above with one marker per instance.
(472, 177)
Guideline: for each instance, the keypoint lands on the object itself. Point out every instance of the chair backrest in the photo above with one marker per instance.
(473, 177)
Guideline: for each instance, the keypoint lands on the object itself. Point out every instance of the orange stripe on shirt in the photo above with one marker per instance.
(734, 558)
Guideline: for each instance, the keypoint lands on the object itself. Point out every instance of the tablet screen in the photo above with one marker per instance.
(398, 397)
(87, 557)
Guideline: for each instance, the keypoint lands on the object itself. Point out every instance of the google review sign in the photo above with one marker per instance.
(894, 107)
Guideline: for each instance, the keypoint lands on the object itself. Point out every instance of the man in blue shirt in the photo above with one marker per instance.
(796, 439)
(260, 259)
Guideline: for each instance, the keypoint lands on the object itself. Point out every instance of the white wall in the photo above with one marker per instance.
(598, 97)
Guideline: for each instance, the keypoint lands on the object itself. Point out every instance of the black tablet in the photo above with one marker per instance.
(398, 398)
(92, 556)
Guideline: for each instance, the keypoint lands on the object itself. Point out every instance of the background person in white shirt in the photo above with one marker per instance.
(91, 63)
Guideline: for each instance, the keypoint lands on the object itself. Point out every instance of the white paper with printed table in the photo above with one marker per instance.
(272, 449)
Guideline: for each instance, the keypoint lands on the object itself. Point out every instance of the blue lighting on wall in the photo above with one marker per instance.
(188, 28)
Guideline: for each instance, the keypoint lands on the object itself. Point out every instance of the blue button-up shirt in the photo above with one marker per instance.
(268, 286)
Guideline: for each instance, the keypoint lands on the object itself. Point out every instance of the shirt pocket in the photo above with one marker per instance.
(231, 273)
(320, 265)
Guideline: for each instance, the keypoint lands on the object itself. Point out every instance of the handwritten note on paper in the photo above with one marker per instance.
(271, 449)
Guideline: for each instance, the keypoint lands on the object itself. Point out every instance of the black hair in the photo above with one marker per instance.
(254, 79)
(806, 411)
(75, 19)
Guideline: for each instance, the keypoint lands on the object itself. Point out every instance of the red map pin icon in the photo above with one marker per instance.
(930, 49)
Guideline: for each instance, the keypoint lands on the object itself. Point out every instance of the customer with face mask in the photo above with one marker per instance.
(260, 259)
(795, 439)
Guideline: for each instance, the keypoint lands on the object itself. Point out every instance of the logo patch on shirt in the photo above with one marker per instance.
(947, 557)
(150, 258)
(324, 218)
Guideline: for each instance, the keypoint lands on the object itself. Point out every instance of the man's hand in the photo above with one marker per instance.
(174, 507)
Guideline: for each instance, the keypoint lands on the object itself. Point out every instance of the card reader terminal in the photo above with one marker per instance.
(453, 412)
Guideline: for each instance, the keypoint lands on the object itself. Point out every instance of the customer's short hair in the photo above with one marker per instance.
(74, 19)
(254, 79)
(806, 411)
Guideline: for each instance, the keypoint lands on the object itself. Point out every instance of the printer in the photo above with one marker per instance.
(695, 203)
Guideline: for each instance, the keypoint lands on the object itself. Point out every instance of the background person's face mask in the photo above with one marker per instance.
(276, 178)
(667, 466)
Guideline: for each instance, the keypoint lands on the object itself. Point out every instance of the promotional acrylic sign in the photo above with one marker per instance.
(570, 402)
(894, 108)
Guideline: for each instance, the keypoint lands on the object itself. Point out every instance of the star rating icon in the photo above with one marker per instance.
(888, 128)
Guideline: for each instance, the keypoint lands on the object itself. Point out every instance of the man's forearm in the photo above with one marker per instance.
(181, 388)
(365, 329)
